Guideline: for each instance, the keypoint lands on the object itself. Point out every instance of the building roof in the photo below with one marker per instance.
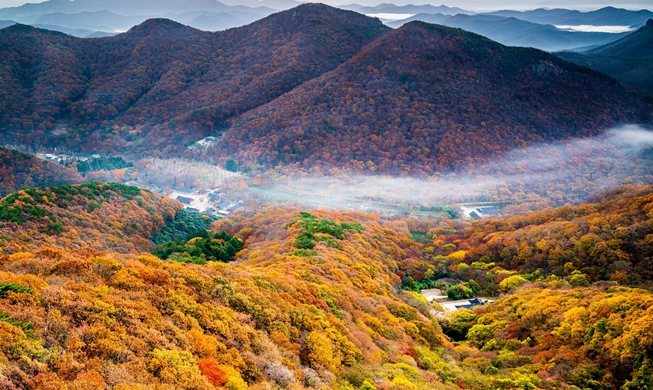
(185, 190)
(192, 209)
(185, 200)
(474, 214)
(224, 204)
(486, 210)
(472, 303)
(213, 197)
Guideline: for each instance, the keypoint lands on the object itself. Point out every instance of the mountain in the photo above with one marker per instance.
(6, 23)
(426, 98)
(635, 45)
(627, 60)
(99, 20)
(436, 18)
(515, 32)
(120, 7)
(21, 170)
(180, 82)
(387, 8)
(607, 16)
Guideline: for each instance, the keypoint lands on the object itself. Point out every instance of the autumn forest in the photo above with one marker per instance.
(318, 201)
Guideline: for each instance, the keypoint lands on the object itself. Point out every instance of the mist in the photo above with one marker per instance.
(539, 176)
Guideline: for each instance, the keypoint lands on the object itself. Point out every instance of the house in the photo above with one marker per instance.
(224, 212)
(184, 190)
(213, 197)
(472, 303)
(224, 204)
(185, 200)
(475, 215)
(192, 209)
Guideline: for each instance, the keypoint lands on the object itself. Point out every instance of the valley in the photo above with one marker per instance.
(272, 195)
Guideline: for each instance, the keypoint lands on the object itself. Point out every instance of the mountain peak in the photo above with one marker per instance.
(649, 23)
(158, 23)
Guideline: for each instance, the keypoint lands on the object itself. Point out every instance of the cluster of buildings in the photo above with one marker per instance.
(63, 158)
(203, 143)
(478, 212)
(436, 295)
(205, 201)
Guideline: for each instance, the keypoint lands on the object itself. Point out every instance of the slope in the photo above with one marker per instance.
(427, 98)
(21, 170)
(627, 60)
(105, 216)
(163, 74)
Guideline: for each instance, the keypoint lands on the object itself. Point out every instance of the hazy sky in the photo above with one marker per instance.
(469, 4)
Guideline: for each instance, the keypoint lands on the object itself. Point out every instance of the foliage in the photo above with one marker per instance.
(102, 163)
(185, 222)
(200, 247)
(5, 288)
(320, 228)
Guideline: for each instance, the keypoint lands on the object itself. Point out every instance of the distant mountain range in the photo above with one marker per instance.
(98, 18)
(311, 85)
(387, 8)
(516, 32)
(82, 18)
(629, 60)
(608, 16)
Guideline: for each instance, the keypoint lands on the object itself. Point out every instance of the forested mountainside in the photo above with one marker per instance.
(427, 98)
(180, 82)
(424, 88)
(609, 238)
(21, 170)
(104, 216)
(311, 301)
(627, 60)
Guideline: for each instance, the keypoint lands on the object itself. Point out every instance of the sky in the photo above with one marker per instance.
(468, 4)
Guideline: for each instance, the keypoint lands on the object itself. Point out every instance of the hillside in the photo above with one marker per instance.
(627, 60)
(279, 315)
(428, 98)
(162, 81)
(104, 216)
(21, 170)
(311, 301)
(608, 238)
